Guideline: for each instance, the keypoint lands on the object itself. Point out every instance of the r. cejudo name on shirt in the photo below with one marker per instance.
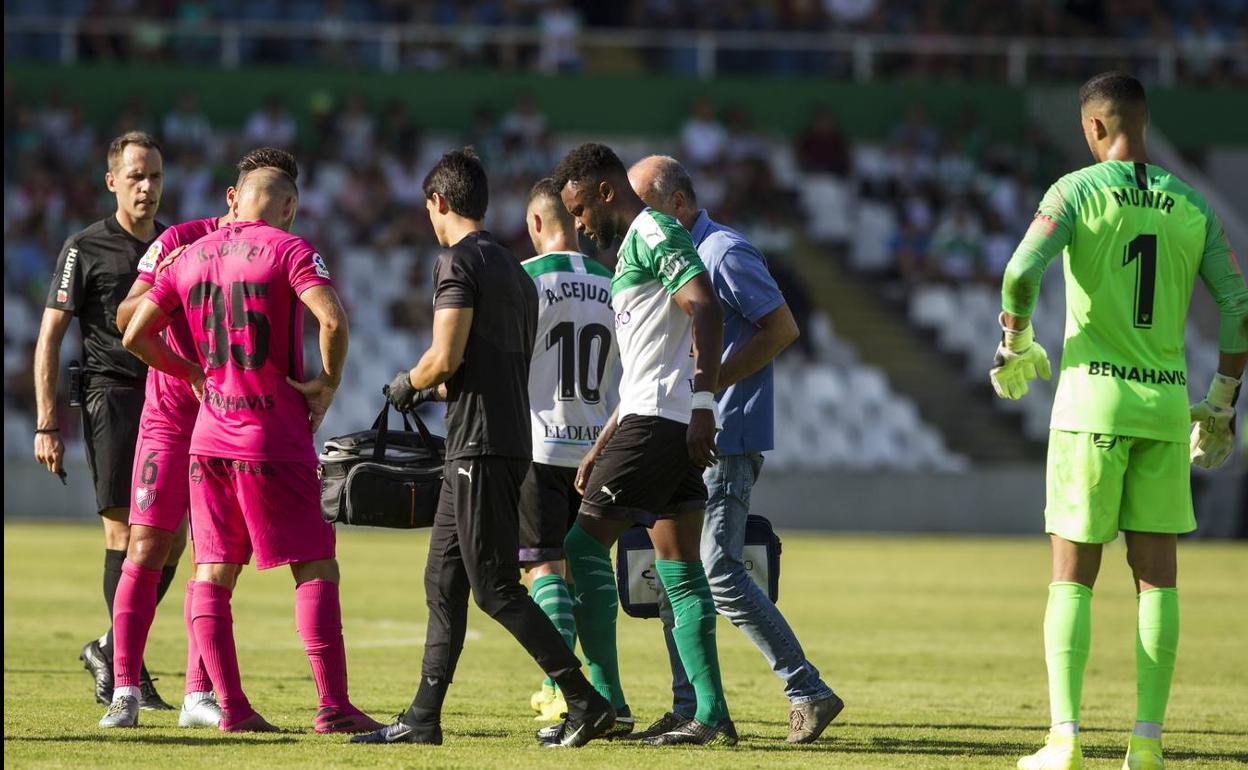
(577, 290)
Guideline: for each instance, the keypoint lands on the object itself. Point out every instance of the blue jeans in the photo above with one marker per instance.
(736, 596)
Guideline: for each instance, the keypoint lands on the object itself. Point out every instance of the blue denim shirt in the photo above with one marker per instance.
(746, 292)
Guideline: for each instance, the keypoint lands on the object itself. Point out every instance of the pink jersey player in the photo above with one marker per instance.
(254, 484)
(239, 288)
(160, 495)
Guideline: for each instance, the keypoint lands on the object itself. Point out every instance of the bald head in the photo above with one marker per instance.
(267, 194)
(665, 186)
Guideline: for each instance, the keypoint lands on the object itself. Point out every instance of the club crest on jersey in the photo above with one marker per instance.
(151, 258)
(321, 269)
(144, 497)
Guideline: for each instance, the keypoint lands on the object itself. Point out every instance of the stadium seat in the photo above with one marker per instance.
(873, 229)
(827, 202)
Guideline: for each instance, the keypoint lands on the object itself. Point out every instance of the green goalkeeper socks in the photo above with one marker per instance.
(1067, 637)
(694, 633)
(595, 608)
(1156, 645)
(551, 594)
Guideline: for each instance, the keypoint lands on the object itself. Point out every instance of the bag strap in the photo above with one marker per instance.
(382, 426)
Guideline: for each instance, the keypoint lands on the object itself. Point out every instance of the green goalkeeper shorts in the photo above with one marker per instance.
(1100, 484)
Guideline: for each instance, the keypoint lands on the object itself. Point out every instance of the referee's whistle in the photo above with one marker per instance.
(63, 475)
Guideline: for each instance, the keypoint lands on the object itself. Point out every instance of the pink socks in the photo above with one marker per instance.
(214, 632)
(197, 679)
(318, 617)
(134, 608)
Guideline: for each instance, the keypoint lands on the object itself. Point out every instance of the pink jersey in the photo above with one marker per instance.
(170, 408)
(240, 287)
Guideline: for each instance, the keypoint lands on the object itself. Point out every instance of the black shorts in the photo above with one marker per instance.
(644, 473)
(548, 506)
(110, 429)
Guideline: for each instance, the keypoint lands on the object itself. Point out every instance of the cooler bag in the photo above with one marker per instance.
(636, 577)
(383, 478)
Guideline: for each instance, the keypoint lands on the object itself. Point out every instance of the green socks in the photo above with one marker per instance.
(694, 633)
(1156, 644)
(551, 595)
(1067, 637)
(595, 608)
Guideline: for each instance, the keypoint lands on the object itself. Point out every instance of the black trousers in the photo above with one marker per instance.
(475, 547)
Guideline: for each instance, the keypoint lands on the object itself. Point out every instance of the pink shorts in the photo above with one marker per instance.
(159, 491)
(273, 508)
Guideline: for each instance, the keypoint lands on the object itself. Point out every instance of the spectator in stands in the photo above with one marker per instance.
(703, 138)
(396, 127)
(744, 143)
(525, 120)
(403, 170)
(77, 143)
(484, 136)
(135, 116)
(999, 245)
(54, 117)
(957, 245)
(918, 132)
(1203, 46)
(354, 131)
(822, 147)
(271, 125)
(186, 126)
(560, 25)
(851, 13)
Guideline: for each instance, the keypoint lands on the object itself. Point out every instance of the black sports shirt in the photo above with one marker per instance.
(93, 275)
(488, 397)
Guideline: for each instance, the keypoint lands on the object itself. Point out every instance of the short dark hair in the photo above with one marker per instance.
(1121, 90)
(460, 178)
(268, 157)
(546, 190)
(272, 179)
(589, 161)
(118, 146)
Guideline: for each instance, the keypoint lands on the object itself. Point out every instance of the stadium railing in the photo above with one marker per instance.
(1020, 57)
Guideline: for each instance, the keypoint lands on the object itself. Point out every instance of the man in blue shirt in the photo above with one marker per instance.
(757, 326)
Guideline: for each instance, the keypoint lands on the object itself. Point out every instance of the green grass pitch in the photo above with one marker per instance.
(934, 642)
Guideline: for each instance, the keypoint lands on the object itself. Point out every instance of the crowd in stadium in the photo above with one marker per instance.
(1203, 32)
(364, 163)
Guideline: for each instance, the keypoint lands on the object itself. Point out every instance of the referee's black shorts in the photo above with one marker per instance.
(110, 429)
(644, 473)
(548, 506)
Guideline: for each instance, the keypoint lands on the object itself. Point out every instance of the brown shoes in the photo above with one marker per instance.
(807, 721)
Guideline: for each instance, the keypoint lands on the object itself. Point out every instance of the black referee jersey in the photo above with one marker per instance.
(94, 272)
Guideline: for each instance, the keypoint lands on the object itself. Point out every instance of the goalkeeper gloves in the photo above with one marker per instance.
(403, 397)
(1213, 435)
(1019, 358)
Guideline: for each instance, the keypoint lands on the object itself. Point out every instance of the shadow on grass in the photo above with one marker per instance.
(77, 672)
(157, 740)
(1036, 728)
(941, 747)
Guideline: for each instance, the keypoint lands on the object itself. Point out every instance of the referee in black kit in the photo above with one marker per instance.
(93, 273)
(484, 321)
